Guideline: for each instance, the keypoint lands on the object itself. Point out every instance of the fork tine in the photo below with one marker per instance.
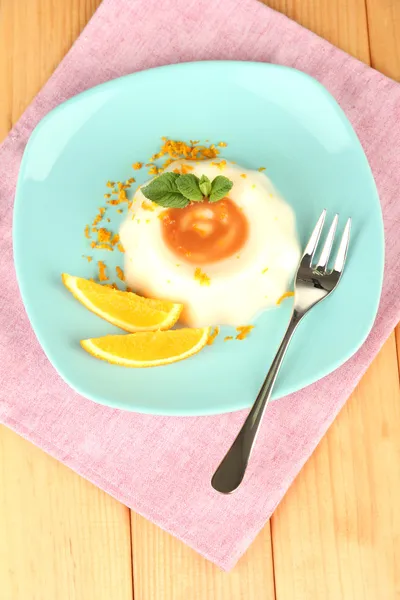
(314, 239)
(326, 250)
(342, 252)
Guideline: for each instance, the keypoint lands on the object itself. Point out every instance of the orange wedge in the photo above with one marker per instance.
(124, 309)
(148, 349)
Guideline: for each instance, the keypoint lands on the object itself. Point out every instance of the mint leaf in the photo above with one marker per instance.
(172, 190)
(205, 185)
(219, 188)
(172, 200)
(163, 184)
(188, 185)
(164, 191)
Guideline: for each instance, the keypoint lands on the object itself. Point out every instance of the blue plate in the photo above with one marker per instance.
(268, 115)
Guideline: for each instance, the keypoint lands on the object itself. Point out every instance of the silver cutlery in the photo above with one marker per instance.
(313, 283)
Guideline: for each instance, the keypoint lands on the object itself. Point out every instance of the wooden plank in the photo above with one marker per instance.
(337, 533)
(397, 334)
(341, 22)
(159, 560)
(34, 37)
(6, 94)
(61, 537)
(344, 25)
(384, 34)
(302, 570)
(166, 569)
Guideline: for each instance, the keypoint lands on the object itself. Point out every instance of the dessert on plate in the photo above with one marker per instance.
(213, 236)
(205, 242)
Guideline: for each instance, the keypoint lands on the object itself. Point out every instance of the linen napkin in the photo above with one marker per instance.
(160, 466)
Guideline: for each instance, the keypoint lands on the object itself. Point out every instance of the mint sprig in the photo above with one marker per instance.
(219, 188)
(188, 186)
(163, 190)
(205, 185)
(172, 190)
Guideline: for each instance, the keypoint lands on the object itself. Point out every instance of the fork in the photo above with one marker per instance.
(312, 284)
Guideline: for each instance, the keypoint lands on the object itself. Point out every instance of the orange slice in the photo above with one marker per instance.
(148, 349)
(124, 309)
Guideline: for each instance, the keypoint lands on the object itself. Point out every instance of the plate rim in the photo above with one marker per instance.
(141, 407)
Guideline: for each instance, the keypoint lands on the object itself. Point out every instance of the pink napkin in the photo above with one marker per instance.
(161, 467)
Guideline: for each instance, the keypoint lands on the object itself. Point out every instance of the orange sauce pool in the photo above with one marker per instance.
(205, 232)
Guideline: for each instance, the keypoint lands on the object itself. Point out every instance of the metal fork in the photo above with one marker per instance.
(312, 284)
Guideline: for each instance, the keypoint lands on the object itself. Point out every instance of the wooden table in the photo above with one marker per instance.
(335, 536)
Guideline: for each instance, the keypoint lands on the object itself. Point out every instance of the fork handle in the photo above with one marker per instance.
(231, 470)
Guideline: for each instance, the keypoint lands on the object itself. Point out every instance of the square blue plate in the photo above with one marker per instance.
(269, 115)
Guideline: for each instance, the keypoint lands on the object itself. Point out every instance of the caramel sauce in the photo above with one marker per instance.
(205, 232)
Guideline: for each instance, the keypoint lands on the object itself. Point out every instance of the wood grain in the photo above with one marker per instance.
(335, 536)
(384, 35)
(337, 532)
(342, 22)
(384, 32)
(166, 569)
(34, 37)
(61, 537)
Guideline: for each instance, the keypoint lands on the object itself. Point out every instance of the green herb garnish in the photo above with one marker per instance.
(219, 188)
(172, 190)
(188, 186)
(205, 185)
(164, 191)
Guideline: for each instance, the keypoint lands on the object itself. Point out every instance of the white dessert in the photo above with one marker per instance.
(226, 291)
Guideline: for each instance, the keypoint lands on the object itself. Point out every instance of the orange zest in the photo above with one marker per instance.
(201, 277)
(285, 295)
(102, 271)
(176, 149)
(120, 273)
(243, 331)
(148, 205)
(99, 217)
(212, 336)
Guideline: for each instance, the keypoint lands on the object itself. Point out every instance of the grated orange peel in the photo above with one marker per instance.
(123, 309)
(148, 349)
